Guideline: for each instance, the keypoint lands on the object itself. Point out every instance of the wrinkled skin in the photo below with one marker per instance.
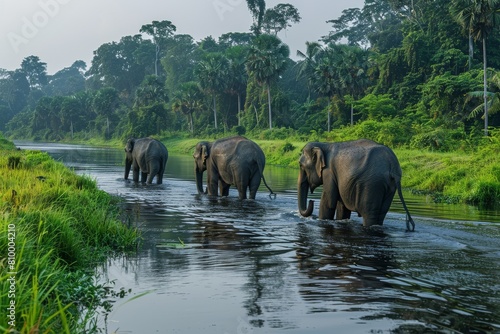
(360, 176)
(229, 161)
(146, 156)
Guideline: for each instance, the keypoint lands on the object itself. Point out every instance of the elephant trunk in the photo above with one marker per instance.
(128, 165)
(199, 181)
(303, 188)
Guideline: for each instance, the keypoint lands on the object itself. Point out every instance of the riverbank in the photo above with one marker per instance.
(452, 177)
(55, 228)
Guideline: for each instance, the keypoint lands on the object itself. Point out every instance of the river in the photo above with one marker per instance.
(255, 266)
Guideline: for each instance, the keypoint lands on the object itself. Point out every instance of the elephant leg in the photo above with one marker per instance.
(224, 188)
(136, 173)
(242, 191)
(154, 170)
(329, 198)
(376, 210)
(342, 211)
(254, 185)
(144, 177)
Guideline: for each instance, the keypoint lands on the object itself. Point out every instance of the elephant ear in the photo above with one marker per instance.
(319, 160)
(130, 145)
(204, 152)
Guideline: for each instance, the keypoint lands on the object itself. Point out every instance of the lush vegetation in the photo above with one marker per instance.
(414, 75)
(418, 64)
(55, 227)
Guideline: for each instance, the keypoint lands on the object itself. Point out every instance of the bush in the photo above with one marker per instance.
(240, 130)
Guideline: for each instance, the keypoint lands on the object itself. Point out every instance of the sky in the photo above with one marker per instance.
(60, 32)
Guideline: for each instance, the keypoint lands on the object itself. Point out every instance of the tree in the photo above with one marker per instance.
(309, 62)
(188, 100)
(36, 71)
(267, 59)
(69, 80)
(179, 61)
(237, 76)
(478, 18)
(279, 18)
(212, 73)
(160, 31)
(258, 9)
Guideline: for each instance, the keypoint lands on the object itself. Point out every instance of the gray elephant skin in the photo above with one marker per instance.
(146, 156)
(359, 175)
(229, 161)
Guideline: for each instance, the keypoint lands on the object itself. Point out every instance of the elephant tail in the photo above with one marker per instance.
(409, 220)
(272, 194)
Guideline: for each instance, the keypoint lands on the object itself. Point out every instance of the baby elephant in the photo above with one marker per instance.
(230, 161)
(147, 155)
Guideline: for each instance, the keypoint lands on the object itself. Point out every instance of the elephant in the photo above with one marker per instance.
(230, 161)
(147, 155)
(359, 175)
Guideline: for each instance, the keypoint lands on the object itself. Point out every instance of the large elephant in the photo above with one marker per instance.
(148, 156)
(360, 176)
(230, 161)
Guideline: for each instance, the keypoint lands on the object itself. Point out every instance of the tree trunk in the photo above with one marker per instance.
(471, 51)
(215, 114)
(352, 114)
(269, 102)
(485, 89)
(328, 127)
(239, 109)
(156, 59)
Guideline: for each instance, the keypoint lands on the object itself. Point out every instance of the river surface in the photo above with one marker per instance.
(228, 266)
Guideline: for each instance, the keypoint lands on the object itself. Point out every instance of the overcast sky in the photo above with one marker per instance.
(62, 31)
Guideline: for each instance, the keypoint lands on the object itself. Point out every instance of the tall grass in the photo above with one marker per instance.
(64, 226)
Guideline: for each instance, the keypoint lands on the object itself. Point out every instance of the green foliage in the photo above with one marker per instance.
(64, 226)
(239, 130)
(376, 107)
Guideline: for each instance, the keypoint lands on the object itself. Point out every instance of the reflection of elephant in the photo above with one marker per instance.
(359, 176)
(230, 161)
(147, 155)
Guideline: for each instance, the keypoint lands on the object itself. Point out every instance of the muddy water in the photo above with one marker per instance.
(229, 266)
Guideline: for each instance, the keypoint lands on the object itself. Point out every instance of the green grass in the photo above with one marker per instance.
(64, 226)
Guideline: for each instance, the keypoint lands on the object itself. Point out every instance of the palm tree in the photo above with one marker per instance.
(478, 18)
(188, 100)
(267, 59)
(237, 75)
(308, 63)
(325, 78)
(212, 74)
(494, 97)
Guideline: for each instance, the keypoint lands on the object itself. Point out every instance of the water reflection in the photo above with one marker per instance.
(221, 265)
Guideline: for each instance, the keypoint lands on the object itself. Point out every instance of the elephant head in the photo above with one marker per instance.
(129, 147)
(200, 155)
(312, 163)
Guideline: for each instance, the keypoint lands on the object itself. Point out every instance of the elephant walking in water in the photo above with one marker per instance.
(230, 161)
(360, 176)
(147, 155)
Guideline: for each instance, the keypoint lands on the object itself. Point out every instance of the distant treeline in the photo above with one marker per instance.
(416, 66)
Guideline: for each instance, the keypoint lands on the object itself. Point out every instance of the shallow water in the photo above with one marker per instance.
(229, 266)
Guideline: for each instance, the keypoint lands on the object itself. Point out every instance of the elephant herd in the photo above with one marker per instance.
(359, 175)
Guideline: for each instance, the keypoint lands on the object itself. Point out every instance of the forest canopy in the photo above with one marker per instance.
(424, 73)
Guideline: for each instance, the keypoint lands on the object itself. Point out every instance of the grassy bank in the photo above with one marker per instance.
(55, 227)
(471, 177)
